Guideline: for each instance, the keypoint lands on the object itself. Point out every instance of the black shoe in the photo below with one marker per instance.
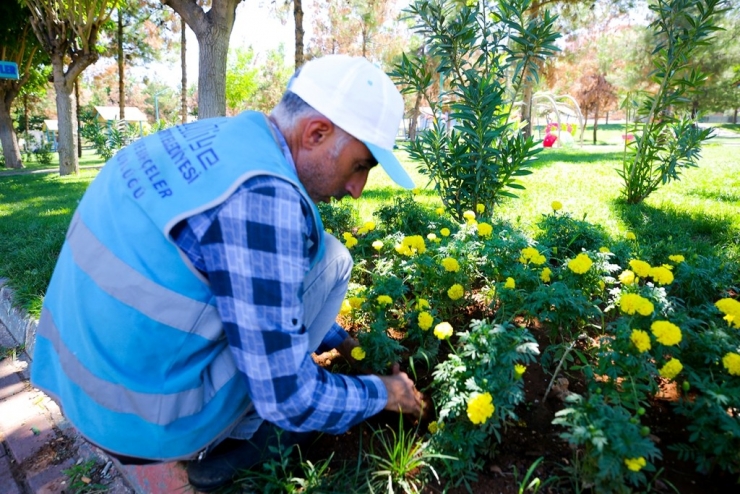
(220, 466)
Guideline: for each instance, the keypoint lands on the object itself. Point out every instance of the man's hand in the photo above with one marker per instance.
(402, 394)
(345, 349)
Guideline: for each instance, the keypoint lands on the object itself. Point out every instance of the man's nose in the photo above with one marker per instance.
(356, 184)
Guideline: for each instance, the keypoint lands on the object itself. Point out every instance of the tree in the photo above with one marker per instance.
(68, 30)
(19, 45)
(212, 29)
(241, 79)
(594, 94)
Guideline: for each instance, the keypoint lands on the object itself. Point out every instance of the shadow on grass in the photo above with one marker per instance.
(715, 195)
(668, 231)
(575, 156)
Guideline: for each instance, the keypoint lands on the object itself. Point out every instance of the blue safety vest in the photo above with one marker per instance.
(129, 341)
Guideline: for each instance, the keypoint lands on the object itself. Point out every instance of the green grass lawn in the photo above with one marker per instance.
(700, 213)
(89, 158)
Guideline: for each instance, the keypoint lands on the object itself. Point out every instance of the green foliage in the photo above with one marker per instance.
(666, 143)
(338, 216)
(79, 478)
(473, 153)
(567, 235)
(405, 214)
(42, 154)
(607, 436)
(482, 361)
(108, 138)
(402, 463)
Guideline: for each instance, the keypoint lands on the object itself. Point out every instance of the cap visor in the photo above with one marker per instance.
(391, 165)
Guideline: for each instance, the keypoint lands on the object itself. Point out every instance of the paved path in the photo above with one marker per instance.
(37, 444)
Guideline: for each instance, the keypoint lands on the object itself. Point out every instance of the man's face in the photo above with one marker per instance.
(332, 170)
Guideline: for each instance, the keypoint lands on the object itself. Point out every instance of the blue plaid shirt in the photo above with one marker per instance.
(252, 248)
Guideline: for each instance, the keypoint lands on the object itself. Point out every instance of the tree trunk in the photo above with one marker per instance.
(734, 117)
(526, 112)
(214, 48)
(414, 117)
(121, 97)
(299, 33)
(67, 140)
(7, 134)
(596, 120)
(212, 29)
(77, 117)
(184, 82)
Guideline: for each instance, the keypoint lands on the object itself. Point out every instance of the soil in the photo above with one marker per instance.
(535, 436)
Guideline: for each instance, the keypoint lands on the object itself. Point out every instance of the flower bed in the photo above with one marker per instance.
(471, 309)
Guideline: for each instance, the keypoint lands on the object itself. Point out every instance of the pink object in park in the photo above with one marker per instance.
(549, 140)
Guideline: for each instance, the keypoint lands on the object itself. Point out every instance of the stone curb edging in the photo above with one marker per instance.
(21, 326)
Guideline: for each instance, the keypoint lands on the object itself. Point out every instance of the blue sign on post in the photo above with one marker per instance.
(9, 70)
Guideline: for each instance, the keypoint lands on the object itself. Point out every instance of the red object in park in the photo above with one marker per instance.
(549, 140)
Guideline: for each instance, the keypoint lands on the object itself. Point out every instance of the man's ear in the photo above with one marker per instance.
(316, 131)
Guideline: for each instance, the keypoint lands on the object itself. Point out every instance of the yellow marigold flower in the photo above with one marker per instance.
(350, 242)
(346, 308)
(630, 303)
(480, 208)
(445, 232)
(425, 320)
(641, 340)
(666, 333)
(556, 205)
(484, 230)
(415, 191)
(731, 362)
(635, 464)
(641, 268)
(377, 245)
(677, 258)
(630, 236)
(661, 275)
(358, 353)
(369, 226)
(433, 427)
(443, 330)
(456, 291)
(440, 211)
(384, 300)
(480, 408)
(530, 254)
(362, 231)
(431, 237)
(356, 302)
(411, 245)
(546, 274)
(627, 277)
(671, 369)
(668, 267)
(581, 264)
(604, 250)
(519, 370)
(422, 304)
(347, 235)
(510, 283)
(731, 308)
(469, 215)
(451, 265)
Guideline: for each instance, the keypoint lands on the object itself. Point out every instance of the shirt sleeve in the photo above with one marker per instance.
(255, 254)
(333, 338)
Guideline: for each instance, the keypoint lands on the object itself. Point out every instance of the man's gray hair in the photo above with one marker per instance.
(292, 109)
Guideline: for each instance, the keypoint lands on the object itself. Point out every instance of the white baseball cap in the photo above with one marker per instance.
(360, 99)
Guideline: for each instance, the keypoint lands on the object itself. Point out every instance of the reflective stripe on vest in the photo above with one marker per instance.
(148, 406)
(154, 301)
